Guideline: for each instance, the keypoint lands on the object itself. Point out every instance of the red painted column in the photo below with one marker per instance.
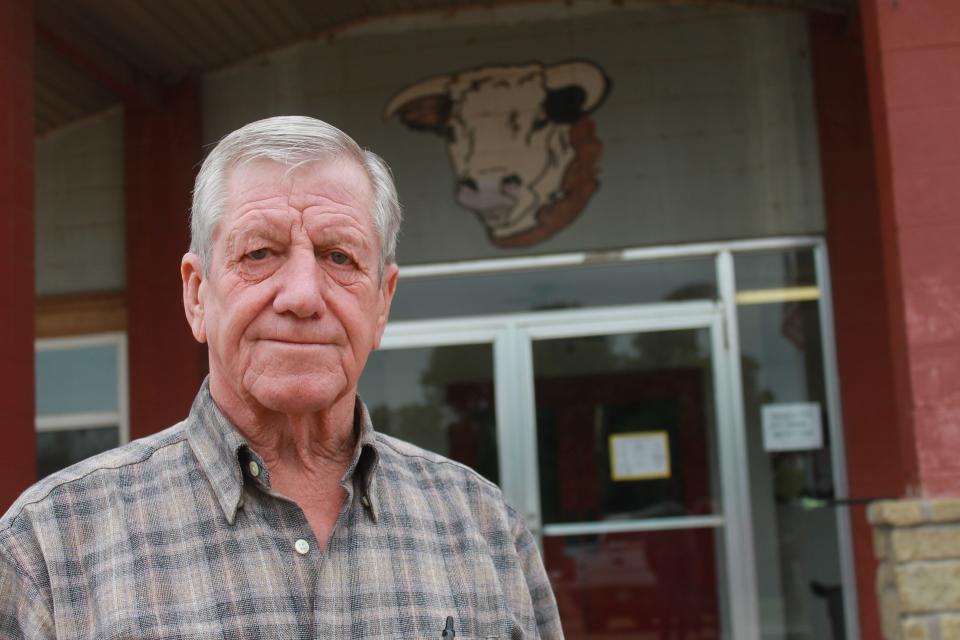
(881, 460)
(912, 51)
(18, 458)
(162, 154)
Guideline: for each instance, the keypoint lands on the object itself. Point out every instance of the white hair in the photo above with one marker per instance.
(292, 141)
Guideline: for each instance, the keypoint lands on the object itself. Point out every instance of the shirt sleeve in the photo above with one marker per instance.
(23, 609)
(541, 593)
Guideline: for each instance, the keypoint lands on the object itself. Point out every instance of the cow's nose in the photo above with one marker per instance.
(486, 190)
(509, 182)
(494, 181)
(468, 183)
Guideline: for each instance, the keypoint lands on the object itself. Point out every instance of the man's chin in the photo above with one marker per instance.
(297, 395)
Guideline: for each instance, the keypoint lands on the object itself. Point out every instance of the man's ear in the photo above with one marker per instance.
(191, 273)
(388, 286)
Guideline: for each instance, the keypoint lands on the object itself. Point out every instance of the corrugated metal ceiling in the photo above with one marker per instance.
(92, 54)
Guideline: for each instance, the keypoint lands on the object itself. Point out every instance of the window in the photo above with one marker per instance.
(81, 398)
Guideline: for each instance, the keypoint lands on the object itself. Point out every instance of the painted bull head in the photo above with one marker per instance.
(524, 155)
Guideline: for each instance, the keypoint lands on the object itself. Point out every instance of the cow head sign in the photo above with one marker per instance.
(524, 154)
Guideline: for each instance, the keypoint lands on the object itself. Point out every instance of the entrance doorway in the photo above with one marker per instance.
(644, 409)
(610, 430)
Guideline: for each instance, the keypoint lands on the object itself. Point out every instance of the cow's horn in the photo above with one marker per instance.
(585, 75)
(430, 87)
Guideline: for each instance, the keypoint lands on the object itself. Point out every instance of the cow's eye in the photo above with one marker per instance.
(513, 121)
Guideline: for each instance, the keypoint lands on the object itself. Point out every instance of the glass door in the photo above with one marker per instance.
(632, 444)
(609, 429)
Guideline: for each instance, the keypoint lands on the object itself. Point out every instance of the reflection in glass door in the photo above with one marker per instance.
(629, 455)
(440, 398)
(609, 430)
(629, 483)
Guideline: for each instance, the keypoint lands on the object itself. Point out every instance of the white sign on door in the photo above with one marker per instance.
(793, 426)
(640, 455)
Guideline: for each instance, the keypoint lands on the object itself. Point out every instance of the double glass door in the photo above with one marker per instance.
(610, 430)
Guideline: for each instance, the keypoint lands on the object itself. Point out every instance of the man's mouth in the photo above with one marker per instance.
(297, 342)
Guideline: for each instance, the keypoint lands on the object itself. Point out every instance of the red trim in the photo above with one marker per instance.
(162, 148)
(18, 466)
(911, 51)
(878, 462)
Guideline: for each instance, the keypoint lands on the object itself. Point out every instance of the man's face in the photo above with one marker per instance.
(293, 301)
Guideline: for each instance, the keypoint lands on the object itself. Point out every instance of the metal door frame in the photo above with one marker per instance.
(496, 330)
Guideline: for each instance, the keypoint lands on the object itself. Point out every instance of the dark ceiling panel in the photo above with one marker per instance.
(269, 21)
(243, 33)
(109, 51)
(65, 92)
(186, 37)
(112, 29)
(142, 20)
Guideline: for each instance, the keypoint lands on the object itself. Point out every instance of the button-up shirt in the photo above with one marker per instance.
(180, 536)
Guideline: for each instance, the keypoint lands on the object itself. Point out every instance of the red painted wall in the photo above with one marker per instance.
(880, 451)
(913, 60)
(18, 467)
(162, 155)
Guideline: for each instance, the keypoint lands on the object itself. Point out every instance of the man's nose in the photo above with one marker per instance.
(301, 285)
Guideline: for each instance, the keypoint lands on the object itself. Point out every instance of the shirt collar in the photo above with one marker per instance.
(217, 446)
(221, 451)
(366, 459)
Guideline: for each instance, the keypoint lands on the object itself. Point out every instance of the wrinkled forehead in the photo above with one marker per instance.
(339, 185)
(342, 179)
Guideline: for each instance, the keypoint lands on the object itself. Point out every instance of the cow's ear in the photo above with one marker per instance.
(574, 89)
(565, 105)
(424, 106)
(427, 113)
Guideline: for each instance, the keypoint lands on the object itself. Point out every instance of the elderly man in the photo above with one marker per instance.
(275, 510)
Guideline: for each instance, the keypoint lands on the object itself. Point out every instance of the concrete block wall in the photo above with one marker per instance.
(918, 581)
(80, 209)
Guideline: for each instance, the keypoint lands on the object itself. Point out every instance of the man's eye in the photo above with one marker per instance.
(259, 254)
(339, 258)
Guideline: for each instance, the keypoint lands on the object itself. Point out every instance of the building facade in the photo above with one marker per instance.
(678, 276)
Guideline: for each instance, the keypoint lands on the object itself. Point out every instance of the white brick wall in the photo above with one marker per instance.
(79, 208)
(708, 132)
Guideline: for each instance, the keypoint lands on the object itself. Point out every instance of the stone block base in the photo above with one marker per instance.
(917, 543)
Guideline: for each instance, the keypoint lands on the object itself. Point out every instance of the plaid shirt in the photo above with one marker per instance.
(179, 536)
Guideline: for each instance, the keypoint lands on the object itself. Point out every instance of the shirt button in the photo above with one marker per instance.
(302, 546)
(254, 468)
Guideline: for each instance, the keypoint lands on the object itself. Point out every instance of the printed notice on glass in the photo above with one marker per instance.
(640, 455)
(793, 426)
